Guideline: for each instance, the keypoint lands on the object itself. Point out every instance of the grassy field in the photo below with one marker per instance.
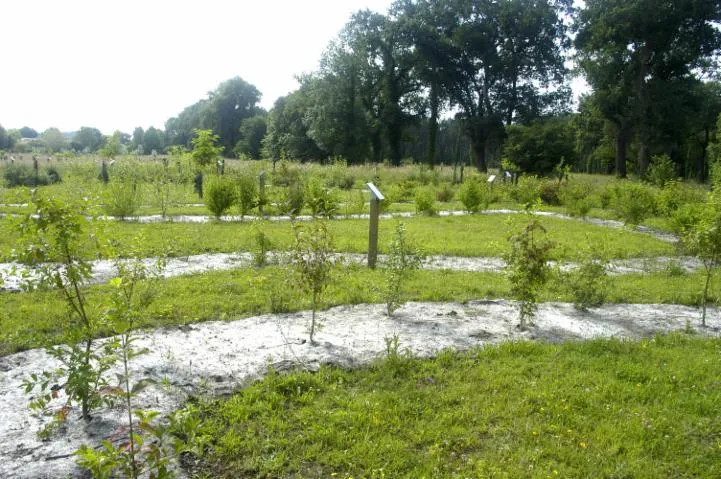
(477, 235)
(595, 409)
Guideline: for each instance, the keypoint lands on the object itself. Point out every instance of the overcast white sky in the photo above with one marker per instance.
(118, 64)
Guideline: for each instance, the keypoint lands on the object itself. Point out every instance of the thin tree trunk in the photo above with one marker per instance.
(433, 125)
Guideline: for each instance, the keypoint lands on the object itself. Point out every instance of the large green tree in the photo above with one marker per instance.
(88, 139)
(223, 112)
(508, 65)
(252, 131)
(28, 132)
(54, 140)
(628, 49)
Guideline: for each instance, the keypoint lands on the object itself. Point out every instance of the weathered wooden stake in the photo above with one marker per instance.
(261, 192)
(376, 198)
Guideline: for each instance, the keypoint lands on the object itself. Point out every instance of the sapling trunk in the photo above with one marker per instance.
(312, 320)
(704, 300)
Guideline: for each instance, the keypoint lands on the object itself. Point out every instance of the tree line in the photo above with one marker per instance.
(481, 80)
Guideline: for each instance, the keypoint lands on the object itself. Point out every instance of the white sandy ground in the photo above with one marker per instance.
(103, 270)
(217, 357)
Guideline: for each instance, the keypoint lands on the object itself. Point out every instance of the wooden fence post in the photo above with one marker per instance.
(376, 198)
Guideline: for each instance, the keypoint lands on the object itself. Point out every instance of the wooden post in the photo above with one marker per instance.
(376, 198)
(261, 192)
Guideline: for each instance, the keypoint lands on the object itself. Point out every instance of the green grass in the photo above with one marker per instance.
(601, 408)
(29, 320)
(479, 235)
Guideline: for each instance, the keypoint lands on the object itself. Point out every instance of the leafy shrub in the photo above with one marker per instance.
(220, 194)
(24, 175)
(247, 193)
(526, 191)
(550, 192)
(340, 177)
(403, 191)
(473, 195)
(286, 174)
(634, 202)
(576, 199)
(445, 193)
(403, 258)
(675, 194)
(425, 201)
(121, 199)
(527, 267)
(291, 199)
(320, 200)
(661, 171)
(588, 283)
(686, 217)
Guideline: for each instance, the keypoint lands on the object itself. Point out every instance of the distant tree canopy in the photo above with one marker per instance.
(223, 112)
(88, 139)
(27, 132)
(477, 81)
(54, 140)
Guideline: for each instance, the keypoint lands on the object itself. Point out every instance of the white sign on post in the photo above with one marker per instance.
(491, 179)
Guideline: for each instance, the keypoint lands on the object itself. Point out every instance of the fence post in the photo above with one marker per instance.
(376, 198)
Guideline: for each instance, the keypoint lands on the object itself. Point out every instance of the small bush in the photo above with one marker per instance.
(425, 201)
(445, 193)
(550, 192)
(220, 194)
(291, 199)
(473, 195)
(286, 174)
(576, 200)
(634, 202)
(661, 171)
(247, 193)
(320, 200)
(676, 194)
(526, 191)
(24, 175)
(121, 199)
(588, 283)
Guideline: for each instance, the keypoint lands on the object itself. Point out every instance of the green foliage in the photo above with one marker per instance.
(445, 193)
(588, 283)
(527, 268)
(220, 194)
(24, 175)
(291, 199)
(702, 239)
(403, 257)
(576, 199)
(676, 194)
(527, 190)
(661, 171)
(247, 193)
(262, 245)
(633, 202)
(205, 151)
(121, 198)
(56, 231)
(425, 199)
(311, 258)
(320, 200)
(538, 147)
(550, 192)
(474, 195)
(145, 449)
